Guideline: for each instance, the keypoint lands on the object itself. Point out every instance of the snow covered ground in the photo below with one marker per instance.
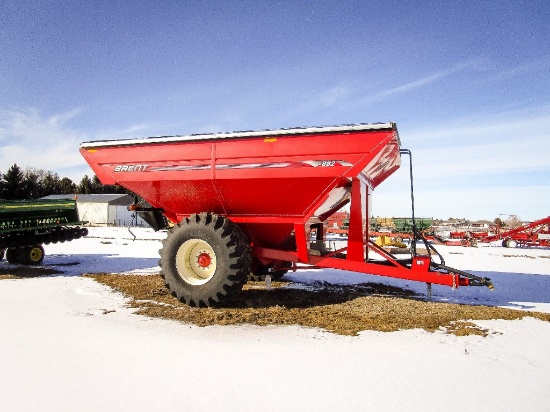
(69, 343)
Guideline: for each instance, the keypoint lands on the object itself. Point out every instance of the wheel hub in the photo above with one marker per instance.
(204, 260)
(196, 261)
(35, 254)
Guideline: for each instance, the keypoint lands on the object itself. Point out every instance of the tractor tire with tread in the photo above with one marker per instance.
(205, 260)
(12, 255)
(31, 255)
(28, 255)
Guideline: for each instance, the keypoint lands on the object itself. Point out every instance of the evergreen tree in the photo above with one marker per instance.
(31, 185)
(50, 184)
(85, 187)
(36, 183)
(13, 183)
(67, 186)
(98, 187)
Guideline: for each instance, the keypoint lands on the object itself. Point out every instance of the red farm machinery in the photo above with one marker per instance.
(255, 202)
(535, 233)
(531, 234)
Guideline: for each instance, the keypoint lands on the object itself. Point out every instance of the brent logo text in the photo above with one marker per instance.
(130, 168)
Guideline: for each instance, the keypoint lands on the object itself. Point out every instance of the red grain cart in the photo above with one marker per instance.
(247, 202)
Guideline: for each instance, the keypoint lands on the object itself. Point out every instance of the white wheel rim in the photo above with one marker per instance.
(196, 261)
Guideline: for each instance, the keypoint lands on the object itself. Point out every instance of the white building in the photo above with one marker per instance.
(104, 209)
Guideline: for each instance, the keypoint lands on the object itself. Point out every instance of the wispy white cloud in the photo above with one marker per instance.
(31, 139)
(499, 158)
(61, 119)
(502, 143)
(324, 99)
(501, 126)
(333, 96)
(476, 168)
(522, 69)
(471, 203)
(422, 82)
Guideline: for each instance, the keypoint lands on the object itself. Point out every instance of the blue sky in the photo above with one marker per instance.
(467, 82)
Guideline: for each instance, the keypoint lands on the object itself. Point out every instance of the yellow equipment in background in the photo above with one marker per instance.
(386, 241)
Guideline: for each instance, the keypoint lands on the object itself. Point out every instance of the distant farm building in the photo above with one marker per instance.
(337, 220)
(104, 209)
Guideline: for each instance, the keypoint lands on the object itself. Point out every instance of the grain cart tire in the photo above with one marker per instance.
(31, 255)
(204, 260)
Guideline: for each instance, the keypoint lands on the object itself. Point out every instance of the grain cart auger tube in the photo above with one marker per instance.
(247, 202)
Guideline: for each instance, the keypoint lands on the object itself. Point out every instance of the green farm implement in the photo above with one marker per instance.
(25, 225)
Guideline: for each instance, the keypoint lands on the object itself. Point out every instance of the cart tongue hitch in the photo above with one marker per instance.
(473, 280)
(239, 204)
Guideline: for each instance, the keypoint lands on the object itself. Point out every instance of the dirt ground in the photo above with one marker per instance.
(341, 309)
(20, 272)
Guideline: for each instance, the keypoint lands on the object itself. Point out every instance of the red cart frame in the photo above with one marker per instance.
(267, 190)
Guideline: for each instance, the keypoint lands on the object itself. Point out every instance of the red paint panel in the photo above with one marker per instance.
(285, 177)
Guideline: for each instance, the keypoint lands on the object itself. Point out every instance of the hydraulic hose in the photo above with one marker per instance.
(416, 233)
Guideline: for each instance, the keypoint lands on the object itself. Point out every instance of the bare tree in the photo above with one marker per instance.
(513, 222)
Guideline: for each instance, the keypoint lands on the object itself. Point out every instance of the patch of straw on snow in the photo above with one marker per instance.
(341, 309)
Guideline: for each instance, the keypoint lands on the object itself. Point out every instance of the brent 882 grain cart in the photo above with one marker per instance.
(25, 225)
(247, 202)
